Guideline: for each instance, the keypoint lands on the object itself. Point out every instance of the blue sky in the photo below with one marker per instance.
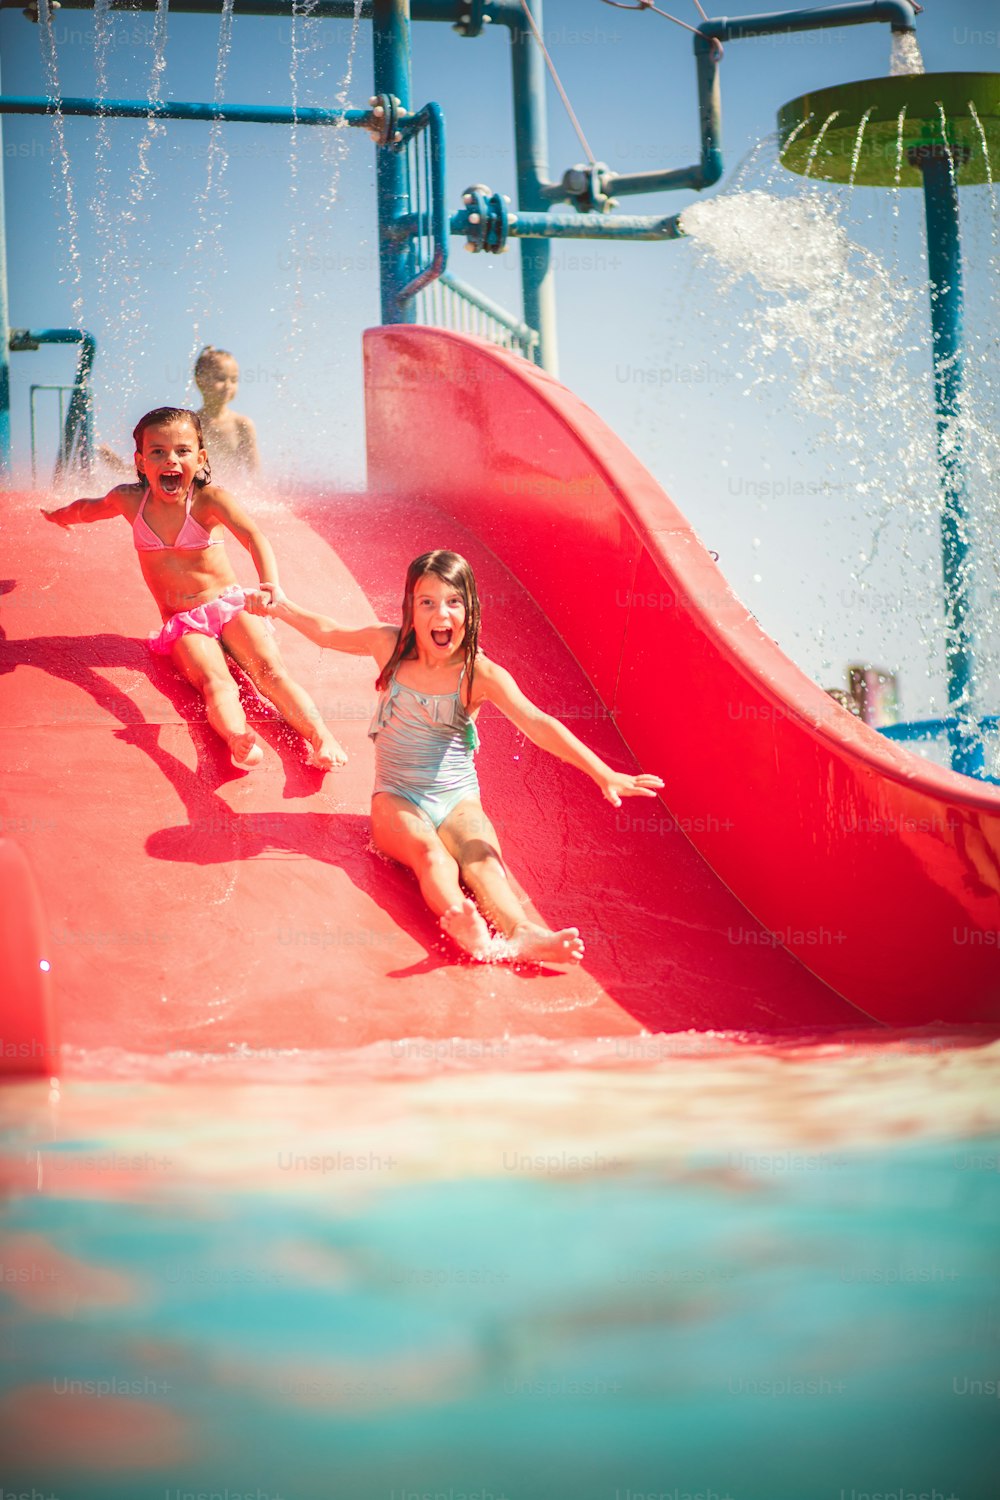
(275, 259)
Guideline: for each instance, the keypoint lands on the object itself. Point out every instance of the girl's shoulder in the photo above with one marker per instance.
(484, 678)
(212, 497)
(127, 497)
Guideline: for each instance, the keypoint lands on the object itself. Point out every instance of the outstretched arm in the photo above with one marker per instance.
(223, 507)
(80, 511)
(369, 640)
(495, 685)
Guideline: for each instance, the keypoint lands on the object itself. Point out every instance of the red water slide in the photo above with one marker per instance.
(796, 867)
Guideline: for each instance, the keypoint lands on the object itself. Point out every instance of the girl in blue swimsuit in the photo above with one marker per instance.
(426, 810)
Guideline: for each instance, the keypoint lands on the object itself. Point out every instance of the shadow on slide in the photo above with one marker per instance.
(185, 908)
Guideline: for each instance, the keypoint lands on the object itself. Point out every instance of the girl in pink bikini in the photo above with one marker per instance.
(178, 519)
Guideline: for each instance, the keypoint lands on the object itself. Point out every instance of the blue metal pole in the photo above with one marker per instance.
(593, 226)
(944, 266)
(178, 109)
(532, 150)
(450, 11)
(899, 14)
(391, 48)
(4, 339)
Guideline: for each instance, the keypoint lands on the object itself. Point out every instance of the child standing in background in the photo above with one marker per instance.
(230, 438)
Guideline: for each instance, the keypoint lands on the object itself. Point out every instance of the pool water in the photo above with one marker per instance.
(672, 1266)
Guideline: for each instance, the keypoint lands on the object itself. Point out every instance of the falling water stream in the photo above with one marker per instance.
(208, 251)
(133, 271)
(63, 190)
(811, 317)
(308, 232)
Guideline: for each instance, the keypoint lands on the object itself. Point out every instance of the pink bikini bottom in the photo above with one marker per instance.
(205, 619)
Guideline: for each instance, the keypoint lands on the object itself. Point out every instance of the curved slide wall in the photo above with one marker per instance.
(878, 871)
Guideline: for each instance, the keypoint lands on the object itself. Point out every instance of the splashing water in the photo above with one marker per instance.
(303, 33)
(132, 320)
(835, 332)
(106, 268)
(308, 238)
(905, 58)
(208, 251)
(63, 179)
(332, 141)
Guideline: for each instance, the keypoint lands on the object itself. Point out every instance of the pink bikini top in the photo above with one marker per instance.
(192, 536)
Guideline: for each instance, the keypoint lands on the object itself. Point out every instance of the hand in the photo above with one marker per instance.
(254, 602)
(56, 518)
(616, 785)
(273, 595)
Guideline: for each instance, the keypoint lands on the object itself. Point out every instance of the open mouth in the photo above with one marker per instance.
(170, 483)
(442, 637)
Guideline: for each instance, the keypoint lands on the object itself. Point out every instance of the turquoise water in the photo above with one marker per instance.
(717, 1269)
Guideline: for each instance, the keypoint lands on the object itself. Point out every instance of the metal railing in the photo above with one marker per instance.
(75, 449)
(426, 225)
(64, 391)
(449, 303)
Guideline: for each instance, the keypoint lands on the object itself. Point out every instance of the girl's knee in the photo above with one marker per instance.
(432, 858)
(212, 680)
(477, 855)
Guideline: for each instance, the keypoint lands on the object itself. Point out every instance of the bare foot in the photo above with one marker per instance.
(245, 751)
(529, 943)
(465, 926)
(327, 755)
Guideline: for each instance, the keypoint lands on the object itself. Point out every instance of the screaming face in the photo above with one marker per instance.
(170, 459)
(438, 617)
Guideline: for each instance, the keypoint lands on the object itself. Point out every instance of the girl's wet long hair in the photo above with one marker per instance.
(454, 571)
(159, 417)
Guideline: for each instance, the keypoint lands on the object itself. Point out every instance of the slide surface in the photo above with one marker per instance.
(191, 910)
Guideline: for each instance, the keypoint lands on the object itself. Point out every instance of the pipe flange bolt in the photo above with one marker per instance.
(383, 121)
(472, 19)
(488, 219)
(584, 186)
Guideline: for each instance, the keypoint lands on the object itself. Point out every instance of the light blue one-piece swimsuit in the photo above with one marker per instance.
(424, 748)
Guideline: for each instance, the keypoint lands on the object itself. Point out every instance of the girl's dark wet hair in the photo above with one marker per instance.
(158, 417)
(457, 574)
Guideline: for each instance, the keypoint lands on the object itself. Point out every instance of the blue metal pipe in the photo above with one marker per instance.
(582, 226)
(708, 171)
(944, 267)
(531, 150)
(931, 729)
(176, 109)
(897, 13)
(504, 12)
(4, 338)
(391, 48)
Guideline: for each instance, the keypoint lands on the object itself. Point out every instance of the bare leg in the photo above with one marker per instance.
(250, 642)
(402, 832)
(471, 838)
(202, 661)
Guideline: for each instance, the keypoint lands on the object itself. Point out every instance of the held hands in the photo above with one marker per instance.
(616, 785)
(265, 600)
